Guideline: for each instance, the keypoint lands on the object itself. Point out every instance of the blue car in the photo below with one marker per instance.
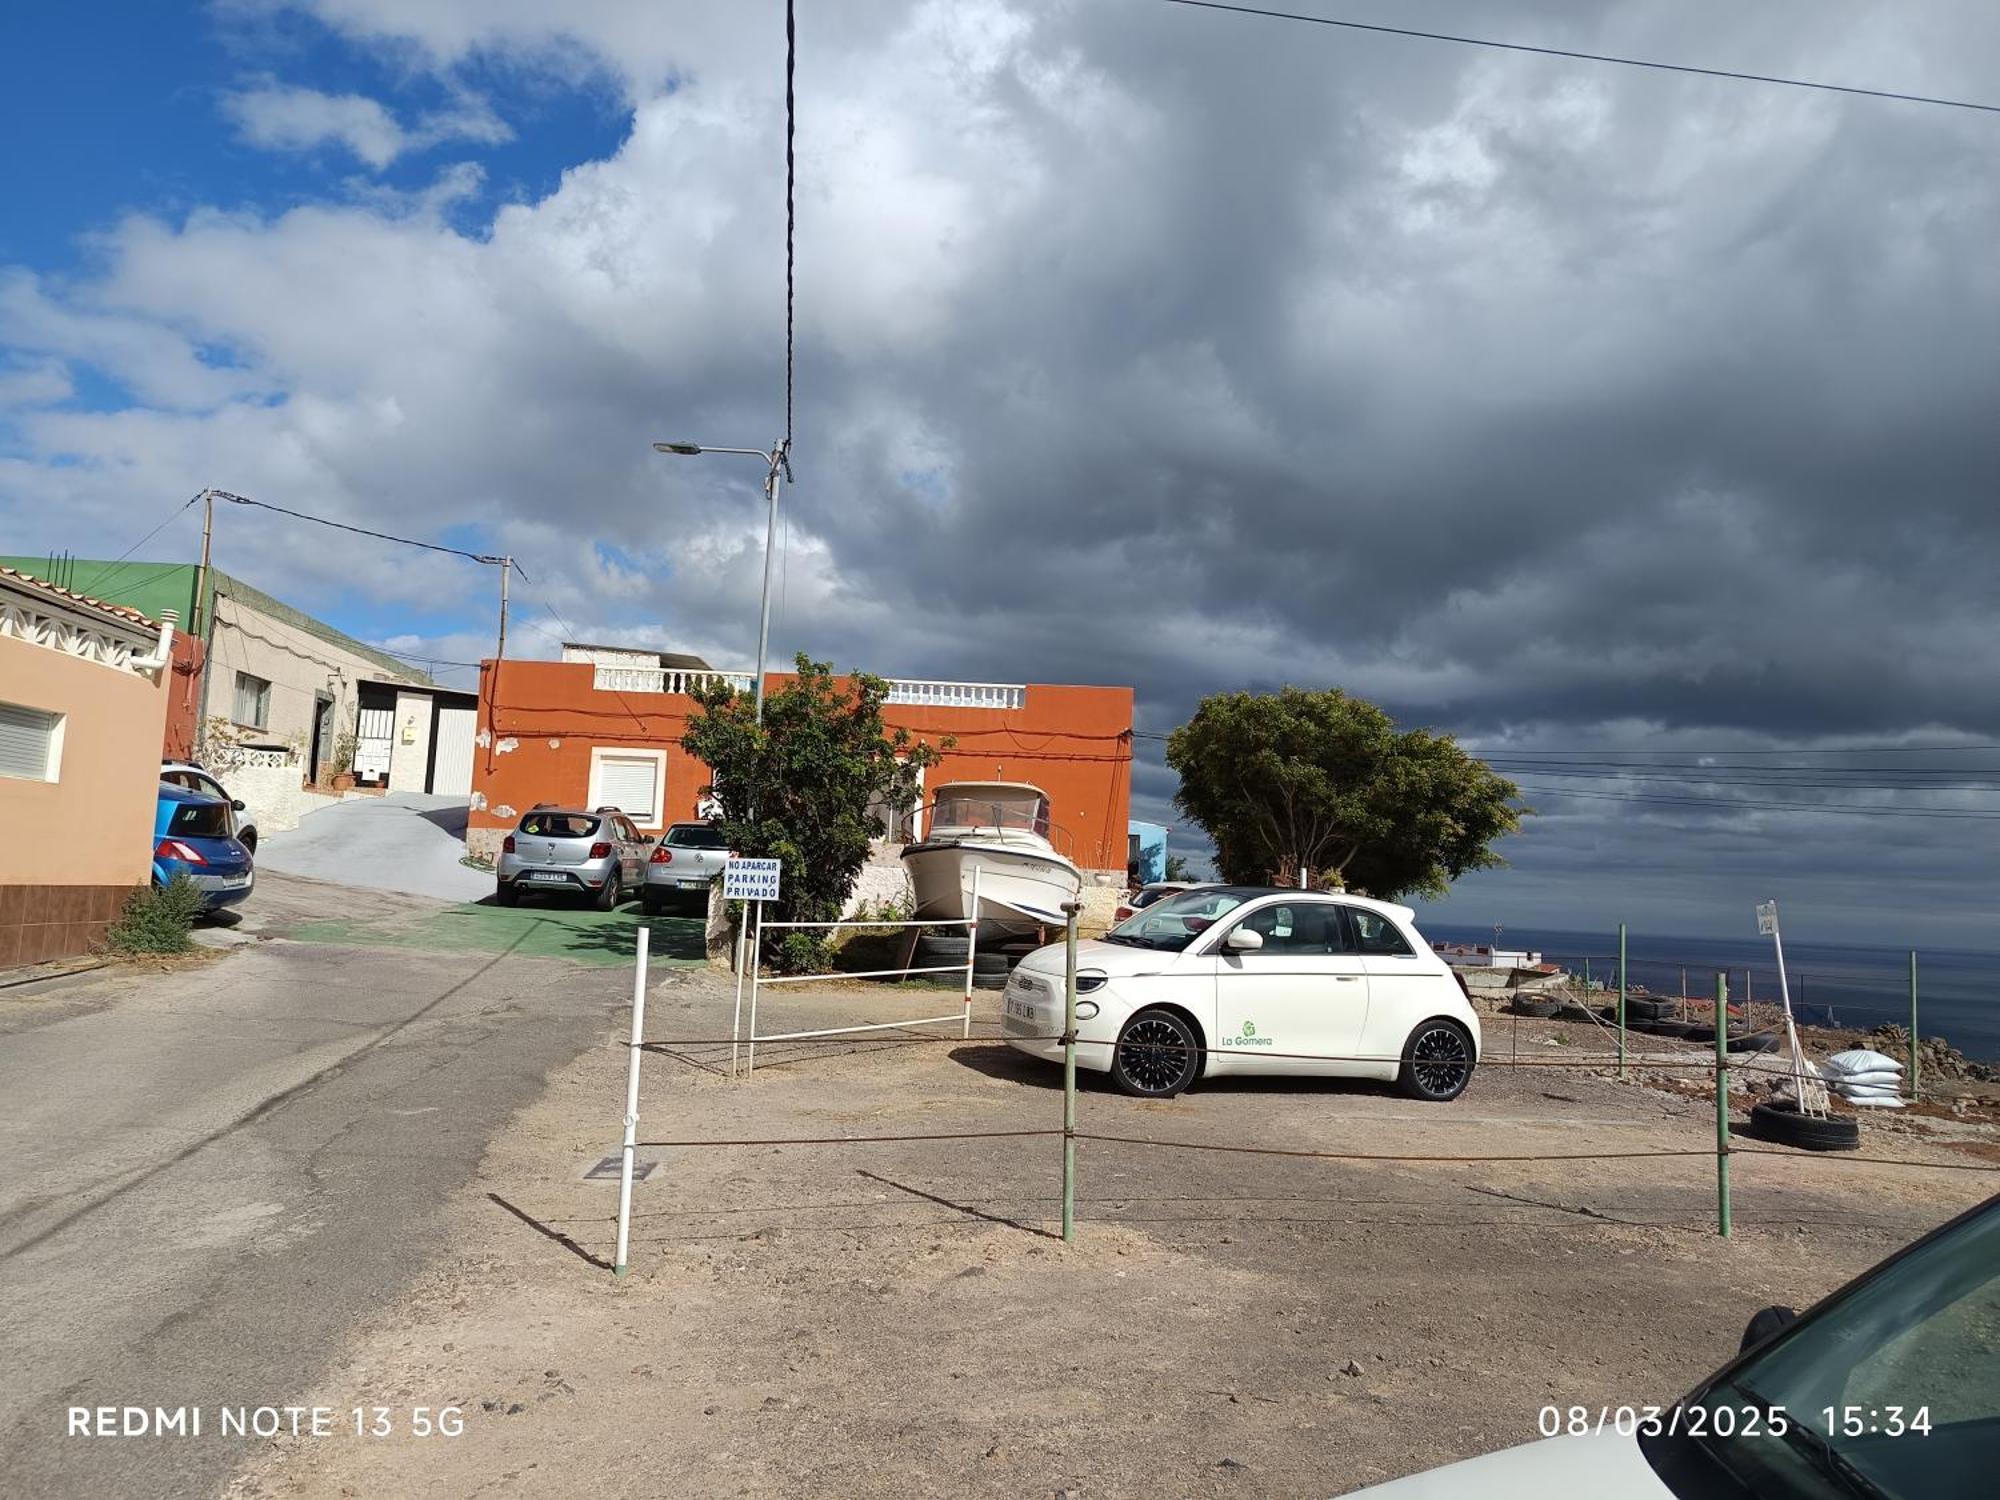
(195, 835)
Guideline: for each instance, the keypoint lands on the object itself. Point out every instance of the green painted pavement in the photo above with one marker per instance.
(582, 935)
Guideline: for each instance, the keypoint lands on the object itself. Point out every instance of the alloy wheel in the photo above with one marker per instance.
(1156, 1055)
(1440, 1059)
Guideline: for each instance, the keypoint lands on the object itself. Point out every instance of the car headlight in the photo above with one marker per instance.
(1086, 1010)
(1090, 979)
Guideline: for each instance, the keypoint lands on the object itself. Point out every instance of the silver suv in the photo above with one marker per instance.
(566, 850)
(684, 864)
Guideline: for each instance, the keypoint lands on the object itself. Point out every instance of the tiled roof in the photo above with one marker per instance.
(43, 585)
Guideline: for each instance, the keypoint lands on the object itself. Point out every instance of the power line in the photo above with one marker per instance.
(112, 569)
(383, 536)
(1599, 57)
(791, 217)
(1728, 804)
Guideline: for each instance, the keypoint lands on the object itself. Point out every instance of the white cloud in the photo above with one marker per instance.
(284, 117)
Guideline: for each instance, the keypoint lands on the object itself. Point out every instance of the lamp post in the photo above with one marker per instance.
(778, 464)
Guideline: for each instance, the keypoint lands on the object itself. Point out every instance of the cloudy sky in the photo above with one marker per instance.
(1586, 412)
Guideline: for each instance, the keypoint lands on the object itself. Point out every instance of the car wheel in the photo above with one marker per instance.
(1437, 1061)
(1783, 1124)
(611, 892)
(504, 894)
(1157, 1055)
(249, 841)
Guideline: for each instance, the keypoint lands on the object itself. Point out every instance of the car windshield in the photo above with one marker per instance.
(1147, 895)
(696, 836)
(559, 825)
(1893, 1391)
(200, 820)
(1173, 922)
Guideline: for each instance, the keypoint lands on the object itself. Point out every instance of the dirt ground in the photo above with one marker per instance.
(902, 1318)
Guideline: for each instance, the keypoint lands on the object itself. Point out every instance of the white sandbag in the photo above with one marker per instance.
(1874, 1101)
(1867, 1080)
(1861, 1060)
(1872, 1091)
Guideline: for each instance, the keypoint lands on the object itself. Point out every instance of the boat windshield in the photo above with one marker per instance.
(1171, 924)
(1025, 810)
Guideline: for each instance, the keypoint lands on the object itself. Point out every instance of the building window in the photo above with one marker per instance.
(633, 781)
(253, 701)
(30, 743)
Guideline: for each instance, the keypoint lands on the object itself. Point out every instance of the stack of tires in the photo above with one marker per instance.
(945, 950)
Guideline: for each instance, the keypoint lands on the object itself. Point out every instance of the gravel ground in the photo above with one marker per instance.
(901, 1318)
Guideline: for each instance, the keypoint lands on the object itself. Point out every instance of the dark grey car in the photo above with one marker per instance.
(566, 851)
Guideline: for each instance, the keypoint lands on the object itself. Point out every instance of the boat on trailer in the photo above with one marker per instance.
(1000, 831)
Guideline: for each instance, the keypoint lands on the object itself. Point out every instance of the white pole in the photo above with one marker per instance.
(736, 1024)
(632, 1100)
(971, 948)
(756, 947)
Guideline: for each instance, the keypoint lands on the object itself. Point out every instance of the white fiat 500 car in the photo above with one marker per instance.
(1229, 979)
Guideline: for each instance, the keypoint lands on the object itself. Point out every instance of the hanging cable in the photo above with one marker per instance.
(791, 173)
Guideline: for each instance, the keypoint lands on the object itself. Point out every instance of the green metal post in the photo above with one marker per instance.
(1621, 999)
(1069, 1077)
(1913, 1023)
(1722, 1105)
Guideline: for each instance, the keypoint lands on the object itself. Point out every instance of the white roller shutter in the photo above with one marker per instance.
(451, 774)
(28, 742)
(630, 783)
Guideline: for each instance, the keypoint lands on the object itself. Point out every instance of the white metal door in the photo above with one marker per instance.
(451, 769)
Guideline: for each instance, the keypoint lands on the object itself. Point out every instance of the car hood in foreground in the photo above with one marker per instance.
(1116, 959)
(1604, 1466)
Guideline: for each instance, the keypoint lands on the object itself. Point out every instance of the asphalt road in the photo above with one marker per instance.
(212, 1175)
(400, 841)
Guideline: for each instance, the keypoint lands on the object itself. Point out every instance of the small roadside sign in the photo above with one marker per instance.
(751, 879)
(1767, 918)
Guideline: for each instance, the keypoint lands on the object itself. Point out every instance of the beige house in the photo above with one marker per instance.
(83, 699)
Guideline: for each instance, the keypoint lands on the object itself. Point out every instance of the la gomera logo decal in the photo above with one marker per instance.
(1248, 1037)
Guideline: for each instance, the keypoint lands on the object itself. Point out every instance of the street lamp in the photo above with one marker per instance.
(778, 462)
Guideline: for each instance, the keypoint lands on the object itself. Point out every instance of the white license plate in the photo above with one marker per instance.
(690, 885)
(543, 877)
(1022, 1009)
(235, 882)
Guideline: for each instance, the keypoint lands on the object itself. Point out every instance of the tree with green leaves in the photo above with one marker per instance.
(804, 786)
(1326, 783)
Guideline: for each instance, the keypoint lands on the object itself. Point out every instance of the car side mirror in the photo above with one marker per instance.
(1243, 940)
(238, 805)
(1764, 1323)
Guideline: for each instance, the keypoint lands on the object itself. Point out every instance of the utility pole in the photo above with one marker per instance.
(204, 610)
(506, 569)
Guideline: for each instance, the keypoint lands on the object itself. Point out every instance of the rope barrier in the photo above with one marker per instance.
(1135, 1140)
(861, 1140)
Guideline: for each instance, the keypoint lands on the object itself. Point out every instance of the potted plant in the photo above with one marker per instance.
(342, 761)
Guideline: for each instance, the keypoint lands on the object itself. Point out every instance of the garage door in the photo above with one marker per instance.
(451, 767)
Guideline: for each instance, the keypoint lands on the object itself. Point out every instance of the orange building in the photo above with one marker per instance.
(603, 727)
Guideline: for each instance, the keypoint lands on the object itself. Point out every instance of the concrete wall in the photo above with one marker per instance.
(410, 742)
(270, 785)
(75, 846)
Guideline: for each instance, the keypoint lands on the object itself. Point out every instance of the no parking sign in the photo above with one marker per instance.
(751, 879)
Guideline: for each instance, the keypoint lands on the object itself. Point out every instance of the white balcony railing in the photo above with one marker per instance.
(662, 680)
(957, 694)
(993, 695)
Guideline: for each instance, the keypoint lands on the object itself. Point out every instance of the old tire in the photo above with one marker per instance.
(1523, 1006)
(1646, 1008)
(989, 979)
(504, 894)
(1157, 1055)
(936, 948)
(1783, 1125)
(612, 891)
(986, 962)
(1673, 1029)
(1569, 1010)
(1437, 1061)
(1761, 1041)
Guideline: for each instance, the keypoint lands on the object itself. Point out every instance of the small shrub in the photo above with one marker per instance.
(157, 918)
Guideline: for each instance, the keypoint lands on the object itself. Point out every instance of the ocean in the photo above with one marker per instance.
(1958, 993)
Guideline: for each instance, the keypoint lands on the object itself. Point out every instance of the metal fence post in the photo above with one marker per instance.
(1070, 909)
(756, 968)
(1722, 1224)
(1913, 1023)
(736, 1023)
(1621, 999)
(971, 948)
(632, 1101)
